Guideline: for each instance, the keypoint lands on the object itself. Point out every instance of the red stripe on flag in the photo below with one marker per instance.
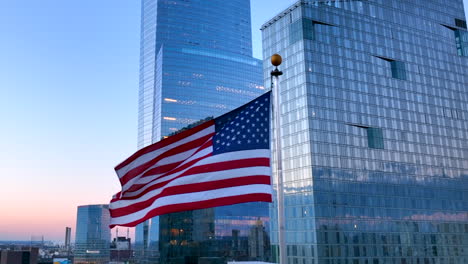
(229, 165)
(164, 142)
(191, 188)
(253, 197)
(179, 149)
(156, 171)
(212, 167)
(137, 187)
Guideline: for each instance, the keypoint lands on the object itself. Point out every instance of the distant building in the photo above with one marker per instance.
(92, 242)
(121, 250)
(259, 242)
(67, 237)
(19, 255)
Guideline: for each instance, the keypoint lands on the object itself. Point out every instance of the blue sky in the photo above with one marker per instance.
(68, 106)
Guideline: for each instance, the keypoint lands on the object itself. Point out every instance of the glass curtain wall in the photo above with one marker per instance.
(196, 62)
(92, 240)
(375, 128)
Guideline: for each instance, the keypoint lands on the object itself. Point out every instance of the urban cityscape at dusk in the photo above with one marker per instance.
(373, 117)
(69, 95)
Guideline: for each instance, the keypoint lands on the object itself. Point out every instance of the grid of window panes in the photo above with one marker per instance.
(146, 248)
(92, 241)
(196, 62)
(147, 72)
(461, 37)
(211, 84)
(351, 198)
(218, 235)
(301, 29)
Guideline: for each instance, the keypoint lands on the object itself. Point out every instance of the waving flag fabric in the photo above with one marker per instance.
(220, 162)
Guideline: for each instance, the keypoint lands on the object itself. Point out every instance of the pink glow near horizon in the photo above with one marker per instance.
(26, 219)
(61, 137)
(33, 206)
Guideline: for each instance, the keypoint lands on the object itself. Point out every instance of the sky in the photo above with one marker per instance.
(68, 106)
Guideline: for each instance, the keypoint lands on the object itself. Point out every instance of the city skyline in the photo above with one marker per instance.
(68, 100)
(63, 133)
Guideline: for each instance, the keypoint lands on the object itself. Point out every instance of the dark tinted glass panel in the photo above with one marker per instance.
(398, 70)
(25, 257)
(375, 138)
(460, 23)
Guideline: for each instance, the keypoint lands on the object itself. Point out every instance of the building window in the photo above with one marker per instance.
(460, 23)
(375, 138)
(461, 38)
(303, 29)
(398, 70)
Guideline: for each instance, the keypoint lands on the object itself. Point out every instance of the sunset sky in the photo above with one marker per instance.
(68, 106)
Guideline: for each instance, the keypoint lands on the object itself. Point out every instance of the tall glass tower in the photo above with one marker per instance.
(375, 130)
(195, 63)
(92, 240)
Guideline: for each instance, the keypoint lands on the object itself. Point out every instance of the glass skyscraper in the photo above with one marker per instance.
(196, 63)
(374, 119)
(92, 240)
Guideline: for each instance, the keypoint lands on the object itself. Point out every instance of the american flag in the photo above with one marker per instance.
(220, 162)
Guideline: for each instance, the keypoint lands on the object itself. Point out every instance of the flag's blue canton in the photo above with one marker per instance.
(247, 127)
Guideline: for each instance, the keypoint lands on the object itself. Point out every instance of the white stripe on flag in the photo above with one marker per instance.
(193, 197)
(144, 180)
(151, 155)
(195, 178)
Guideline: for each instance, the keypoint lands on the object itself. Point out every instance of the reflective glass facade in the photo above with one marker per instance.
(374, 119)
(196, 62)
(216, 235)
(92, 240)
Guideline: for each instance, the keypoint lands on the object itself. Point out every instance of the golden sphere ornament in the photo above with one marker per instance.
(276, 60)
